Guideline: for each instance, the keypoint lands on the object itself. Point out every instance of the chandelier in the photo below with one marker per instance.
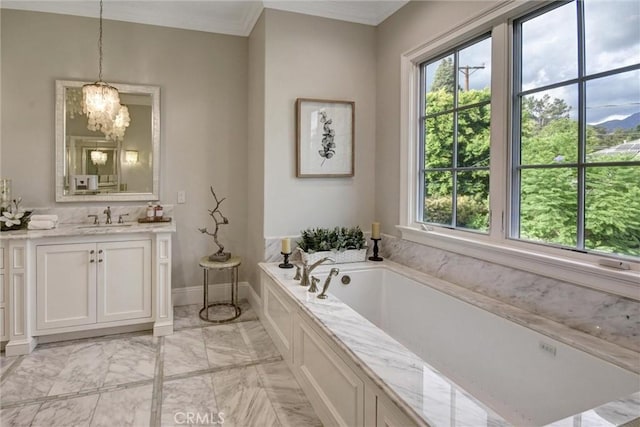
(98, 158)
(101, 101)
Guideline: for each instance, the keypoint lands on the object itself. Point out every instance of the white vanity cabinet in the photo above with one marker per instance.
(87, 283)
(81, 281)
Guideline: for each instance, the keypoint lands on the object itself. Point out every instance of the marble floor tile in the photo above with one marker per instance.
(239, 379)
(6, 362)
(133, 359)
(258, 339)
(184, 351)
(36, 374)
(19, 416)
(124, 407)
(99, 363)
(243, 399)
(187, 316)
(85, 369)
(289, 401)
(185, 396)
(226, 345)
(66, 412)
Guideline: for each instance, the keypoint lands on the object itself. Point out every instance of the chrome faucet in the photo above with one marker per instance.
(307, 269)
(108, 213)
(325, 288)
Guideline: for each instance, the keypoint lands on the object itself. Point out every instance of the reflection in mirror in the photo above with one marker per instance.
(117, 165)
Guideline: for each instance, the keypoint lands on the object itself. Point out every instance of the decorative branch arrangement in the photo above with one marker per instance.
(219, 219)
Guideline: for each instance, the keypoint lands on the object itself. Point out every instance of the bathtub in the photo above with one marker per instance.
(464, 365)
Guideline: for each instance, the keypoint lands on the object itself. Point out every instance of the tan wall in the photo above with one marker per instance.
(255, 152)
(310, 57)
(410, 27)
(203, 81)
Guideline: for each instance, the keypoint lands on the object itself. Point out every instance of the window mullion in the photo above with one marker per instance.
(582, 128)
(454, 172)
(422, 104)
(516, 132)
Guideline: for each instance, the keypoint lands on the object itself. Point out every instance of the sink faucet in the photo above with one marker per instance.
(325, 288)
(108, 213)
(307, 269)
(95, 219)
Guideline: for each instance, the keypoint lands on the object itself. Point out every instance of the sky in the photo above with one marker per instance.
(612, 40)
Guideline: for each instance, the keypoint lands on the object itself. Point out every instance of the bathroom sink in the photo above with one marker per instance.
(105, 226)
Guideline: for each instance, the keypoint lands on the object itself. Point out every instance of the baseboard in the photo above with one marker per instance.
(17, 348)
(254, 300)
(217, 292)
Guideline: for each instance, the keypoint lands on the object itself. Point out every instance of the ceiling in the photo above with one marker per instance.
(235, 17)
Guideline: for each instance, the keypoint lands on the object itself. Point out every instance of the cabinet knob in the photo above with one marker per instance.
(92, 260)
(100, 260)
(100, 251)
(92, 252)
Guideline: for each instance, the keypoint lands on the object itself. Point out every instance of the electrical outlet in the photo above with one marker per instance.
(182, 196)
(548, 348)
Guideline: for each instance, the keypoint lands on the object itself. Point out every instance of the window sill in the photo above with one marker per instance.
(580, 272)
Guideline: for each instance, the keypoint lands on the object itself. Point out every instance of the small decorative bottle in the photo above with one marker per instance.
(159, 212)
(150, 212)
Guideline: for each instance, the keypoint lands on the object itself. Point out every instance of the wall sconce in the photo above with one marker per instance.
(131, 157)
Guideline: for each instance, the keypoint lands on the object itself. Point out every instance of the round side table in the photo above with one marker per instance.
(232, 265)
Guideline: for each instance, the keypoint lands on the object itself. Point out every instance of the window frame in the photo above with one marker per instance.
(581, 164)
(455, 169)
(584, 269)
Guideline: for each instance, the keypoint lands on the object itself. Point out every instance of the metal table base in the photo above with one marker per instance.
(232, 264)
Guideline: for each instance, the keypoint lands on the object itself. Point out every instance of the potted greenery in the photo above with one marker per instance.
(340, 243)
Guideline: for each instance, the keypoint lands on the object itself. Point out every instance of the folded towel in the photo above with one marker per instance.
(53, 218)
(41, 225)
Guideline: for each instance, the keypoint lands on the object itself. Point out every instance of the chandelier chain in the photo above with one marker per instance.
(100, 46)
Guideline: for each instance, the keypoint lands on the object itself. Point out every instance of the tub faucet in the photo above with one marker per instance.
(307, 269)
(325, 288)
(108, 213)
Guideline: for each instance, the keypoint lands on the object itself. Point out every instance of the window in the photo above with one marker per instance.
(563, 139)
(576, 127)
(454, 173)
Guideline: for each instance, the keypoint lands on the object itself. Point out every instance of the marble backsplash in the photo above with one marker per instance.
(610, 317)
(79, 214)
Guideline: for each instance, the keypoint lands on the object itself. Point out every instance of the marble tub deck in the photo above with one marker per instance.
(138, 380)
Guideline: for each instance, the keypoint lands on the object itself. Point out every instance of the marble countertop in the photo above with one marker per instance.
(401, 373)
(68, 230)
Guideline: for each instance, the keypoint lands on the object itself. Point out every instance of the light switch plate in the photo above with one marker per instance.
(182, 196)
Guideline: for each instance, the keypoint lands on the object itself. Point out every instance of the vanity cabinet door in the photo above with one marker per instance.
(65, 285)
(124, 280)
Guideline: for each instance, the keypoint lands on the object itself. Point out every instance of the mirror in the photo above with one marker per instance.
(123, 166)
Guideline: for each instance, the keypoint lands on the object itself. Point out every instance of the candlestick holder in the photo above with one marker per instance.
(375, 256)
(286, 263)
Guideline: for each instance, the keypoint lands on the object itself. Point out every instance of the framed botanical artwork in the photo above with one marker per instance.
(324, 138)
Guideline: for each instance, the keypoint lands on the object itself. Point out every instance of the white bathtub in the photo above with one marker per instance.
(524, 376)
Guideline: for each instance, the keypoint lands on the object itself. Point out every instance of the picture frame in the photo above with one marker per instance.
(325, 138)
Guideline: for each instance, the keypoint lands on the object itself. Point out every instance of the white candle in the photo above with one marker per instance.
(286, 246)
(375, 230)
